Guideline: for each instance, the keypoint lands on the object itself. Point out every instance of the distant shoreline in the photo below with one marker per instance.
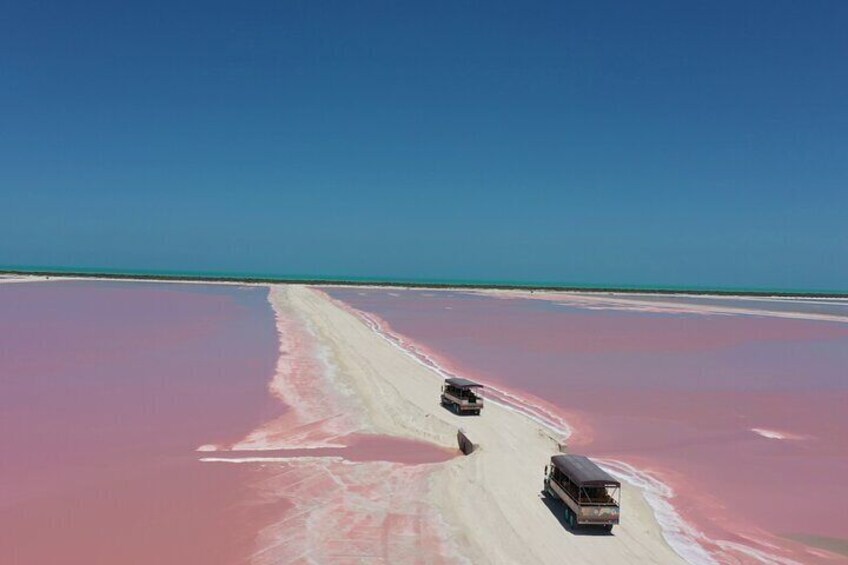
(423, 284)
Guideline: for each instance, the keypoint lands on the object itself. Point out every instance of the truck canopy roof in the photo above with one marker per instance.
(582, 471)
(463, 383)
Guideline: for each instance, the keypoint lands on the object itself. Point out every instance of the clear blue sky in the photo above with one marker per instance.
(649, 143)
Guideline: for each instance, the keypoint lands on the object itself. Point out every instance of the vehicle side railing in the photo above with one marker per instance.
(586, 501)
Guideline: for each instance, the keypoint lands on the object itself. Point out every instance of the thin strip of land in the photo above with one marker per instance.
(491, 500)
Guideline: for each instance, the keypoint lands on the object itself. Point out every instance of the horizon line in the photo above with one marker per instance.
(218, 277)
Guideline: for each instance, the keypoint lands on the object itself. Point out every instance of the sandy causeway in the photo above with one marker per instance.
(490, 501)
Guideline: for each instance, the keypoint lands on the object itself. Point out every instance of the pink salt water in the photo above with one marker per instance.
(106, 390)
(743, 416)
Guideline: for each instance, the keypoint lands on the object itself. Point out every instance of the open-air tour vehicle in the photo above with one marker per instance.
(591, 496)
(462, 395)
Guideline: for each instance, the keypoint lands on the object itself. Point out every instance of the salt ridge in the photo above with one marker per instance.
(634, 304)
(298, 458)
(774, 434)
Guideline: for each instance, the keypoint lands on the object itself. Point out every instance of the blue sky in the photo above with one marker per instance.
(644, 143)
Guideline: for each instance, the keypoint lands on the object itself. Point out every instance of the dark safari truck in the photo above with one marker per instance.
(590, 494)
(462, 395)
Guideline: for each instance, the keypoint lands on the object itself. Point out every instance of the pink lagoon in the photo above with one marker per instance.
(106, 390)
(182, 423)
(731, 414)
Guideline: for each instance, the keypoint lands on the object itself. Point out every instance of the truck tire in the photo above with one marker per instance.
(570, 517)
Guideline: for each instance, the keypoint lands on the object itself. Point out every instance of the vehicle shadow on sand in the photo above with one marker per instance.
(558, 509)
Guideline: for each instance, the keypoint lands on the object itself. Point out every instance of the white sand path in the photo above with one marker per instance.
(491, 500)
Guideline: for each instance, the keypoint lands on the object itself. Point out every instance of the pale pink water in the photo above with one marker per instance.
(106, 389)
(675, 394)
